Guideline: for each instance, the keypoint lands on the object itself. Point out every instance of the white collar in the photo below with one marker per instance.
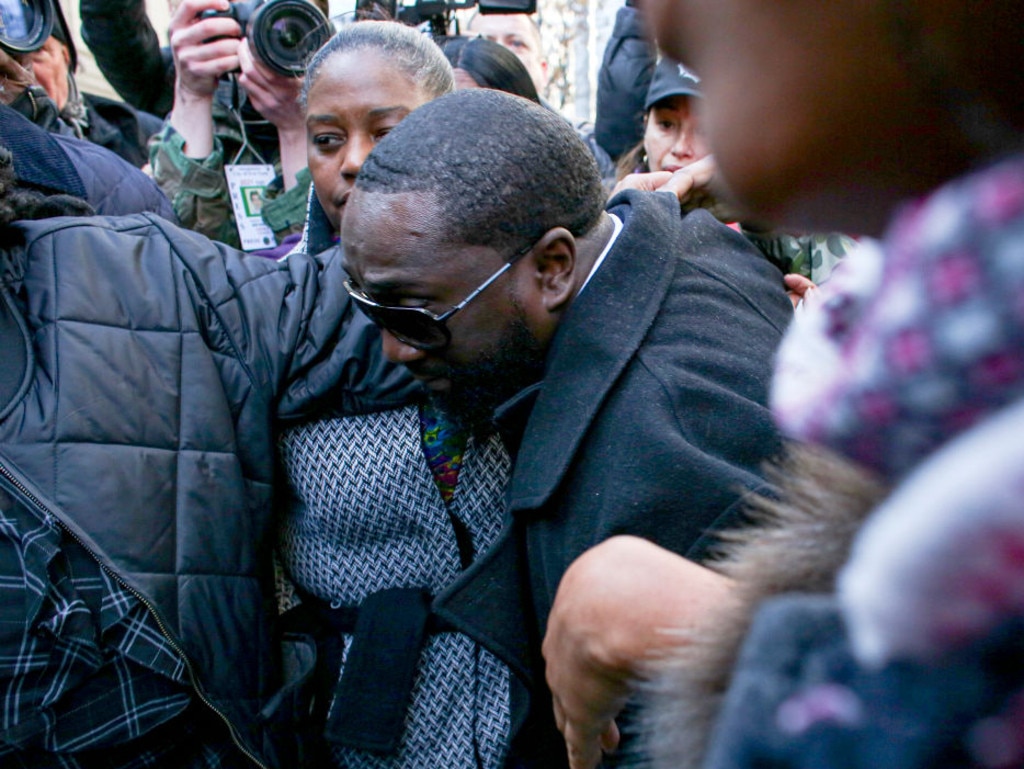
(617, 222)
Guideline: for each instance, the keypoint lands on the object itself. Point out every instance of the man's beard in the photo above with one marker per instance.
(477, 389)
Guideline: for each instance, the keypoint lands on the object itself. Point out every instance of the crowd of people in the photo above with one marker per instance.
(372, 414)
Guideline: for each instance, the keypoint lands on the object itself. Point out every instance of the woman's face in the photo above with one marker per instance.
(357, 98)
(672, 136)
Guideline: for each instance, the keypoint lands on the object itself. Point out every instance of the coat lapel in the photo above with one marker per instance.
(598, 336)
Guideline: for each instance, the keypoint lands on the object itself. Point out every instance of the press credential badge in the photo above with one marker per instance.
(245, 186)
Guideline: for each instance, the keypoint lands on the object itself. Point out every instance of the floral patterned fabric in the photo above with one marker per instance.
(914, 367)
(905, 355)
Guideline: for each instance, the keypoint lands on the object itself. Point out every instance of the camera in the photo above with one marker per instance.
(25, 26)
(437, 13)
(283, 34)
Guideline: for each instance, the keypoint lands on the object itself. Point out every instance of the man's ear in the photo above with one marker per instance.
(554, 259)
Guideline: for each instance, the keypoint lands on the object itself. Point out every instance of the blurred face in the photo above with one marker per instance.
(672, 135)
(395, 253)
(356, 100)
(50, 66)
(518, 33)
(810, 117)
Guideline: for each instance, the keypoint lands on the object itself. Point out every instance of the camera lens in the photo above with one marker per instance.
(25, 24)
(286, 33)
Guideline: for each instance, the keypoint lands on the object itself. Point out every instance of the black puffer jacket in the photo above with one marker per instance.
(143, 367)
(113, 186)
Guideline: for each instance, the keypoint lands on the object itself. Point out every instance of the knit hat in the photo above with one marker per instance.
(671, 79)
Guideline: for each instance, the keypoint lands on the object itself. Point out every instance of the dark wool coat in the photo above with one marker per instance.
(651, 420)
(143, 366)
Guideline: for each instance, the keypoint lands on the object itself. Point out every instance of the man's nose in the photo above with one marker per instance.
(397, 351)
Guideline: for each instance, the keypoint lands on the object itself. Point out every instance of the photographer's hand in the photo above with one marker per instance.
(276, 97)
(203, 50)
(14, 78)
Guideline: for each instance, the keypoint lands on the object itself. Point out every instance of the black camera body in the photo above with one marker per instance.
(437, 13)
(284, 34)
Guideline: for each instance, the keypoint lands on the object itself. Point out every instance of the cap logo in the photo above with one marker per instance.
(684, 72)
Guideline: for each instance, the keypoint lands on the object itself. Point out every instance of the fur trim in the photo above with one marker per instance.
(796, 543)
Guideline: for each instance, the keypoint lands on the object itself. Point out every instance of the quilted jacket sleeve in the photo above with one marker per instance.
(288, 327)
(293, 326)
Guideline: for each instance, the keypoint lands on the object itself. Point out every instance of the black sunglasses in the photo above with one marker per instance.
(417, 326)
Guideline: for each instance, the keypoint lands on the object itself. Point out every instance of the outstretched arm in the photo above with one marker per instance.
(618, 606)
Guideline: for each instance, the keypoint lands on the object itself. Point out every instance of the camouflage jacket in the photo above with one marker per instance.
(198, 189)
(814, 256)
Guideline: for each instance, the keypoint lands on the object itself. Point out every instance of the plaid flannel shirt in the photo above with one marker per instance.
(86, 677)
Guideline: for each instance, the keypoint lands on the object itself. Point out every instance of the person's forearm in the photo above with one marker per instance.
(127, 51)
(625, 74)
(292, 145)
(192, 117)
(618, 607)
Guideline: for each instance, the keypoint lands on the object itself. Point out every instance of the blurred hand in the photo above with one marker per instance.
(274, 96)
(612, 614)
(802, 291)
(14, 78)
(203, 49)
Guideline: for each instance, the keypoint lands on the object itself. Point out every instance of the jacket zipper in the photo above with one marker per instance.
(5, 473)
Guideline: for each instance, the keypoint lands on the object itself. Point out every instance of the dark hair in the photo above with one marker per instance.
(412, 52)
(632, 162)
(501, 169)
(490, 65)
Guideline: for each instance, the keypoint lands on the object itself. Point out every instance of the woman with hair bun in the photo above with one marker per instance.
(482, 63)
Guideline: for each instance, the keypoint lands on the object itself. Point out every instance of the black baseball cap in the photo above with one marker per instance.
(671, 79)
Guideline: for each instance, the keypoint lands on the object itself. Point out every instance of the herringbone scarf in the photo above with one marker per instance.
(366, 514)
